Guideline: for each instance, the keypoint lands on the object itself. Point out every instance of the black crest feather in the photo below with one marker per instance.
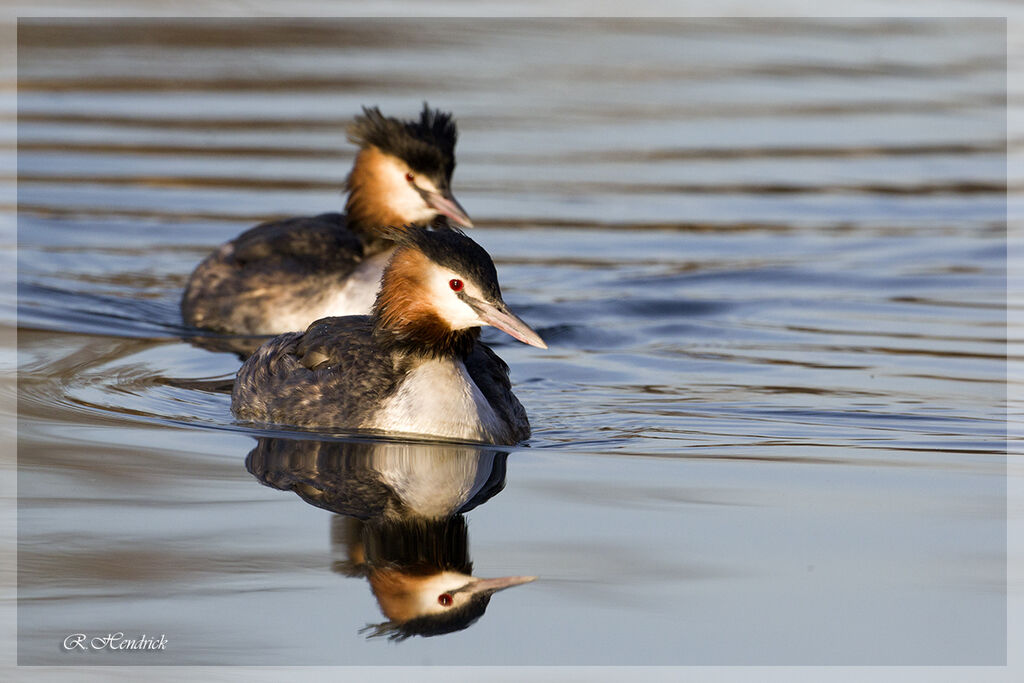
(426, 145)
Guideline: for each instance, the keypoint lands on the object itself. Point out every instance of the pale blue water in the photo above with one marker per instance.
(768, 258)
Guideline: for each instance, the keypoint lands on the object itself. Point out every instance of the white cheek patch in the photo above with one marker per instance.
(426, 598)
(457, 313)
(401, 196)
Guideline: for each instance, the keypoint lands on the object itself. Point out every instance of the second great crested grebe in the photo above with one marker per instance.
(281, 275)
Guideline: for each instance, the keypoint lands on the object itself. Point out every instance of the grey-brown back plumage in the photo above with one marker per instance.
(296, 260)
(332, 374)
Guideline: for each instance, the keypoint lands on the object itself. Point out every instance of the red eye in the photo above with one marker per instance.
(445, 599)
(456, 285)
(410, 177)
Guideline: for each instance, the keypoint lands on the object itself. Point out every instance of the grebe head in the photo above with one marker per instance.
(438, 290)
(403, 171)
(432, 604)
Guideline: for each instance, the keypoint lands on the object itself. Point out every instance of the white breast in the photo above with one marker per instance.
(438, 398)
(355, 297)
(435, 482)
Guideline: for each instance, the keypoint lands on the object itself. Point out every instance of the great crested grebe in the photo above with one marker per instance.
(413, 366)
(403, 528)
(281, 275)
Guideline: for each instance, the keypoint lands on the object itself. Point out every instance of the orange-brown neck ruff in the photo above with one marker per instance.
(393, 591)
(404, 317)
(370, 186)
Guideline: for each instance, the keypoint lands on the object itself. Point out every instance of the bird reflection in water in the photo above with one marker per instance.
(401, 523)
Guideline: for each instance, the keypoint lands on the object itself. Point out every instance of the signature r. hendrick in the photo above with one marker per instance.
(113, 641)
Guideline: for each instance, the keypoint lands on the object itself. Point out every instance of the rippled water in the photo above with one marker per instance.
(768, 258)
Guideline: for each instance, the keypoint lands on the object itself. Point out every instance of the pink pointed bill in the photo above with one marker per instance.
(447, 206)
(493, 585)
(508, 323)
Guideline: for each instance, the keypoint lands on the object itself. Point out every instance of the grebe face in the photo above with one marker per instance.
(451, 294)
(436, 195)
(415, 197)
(443, 592)
(406, 596)
(462, 303)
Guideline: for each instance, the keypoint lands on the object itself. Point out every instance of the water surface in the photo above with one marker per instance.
(768, 259)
